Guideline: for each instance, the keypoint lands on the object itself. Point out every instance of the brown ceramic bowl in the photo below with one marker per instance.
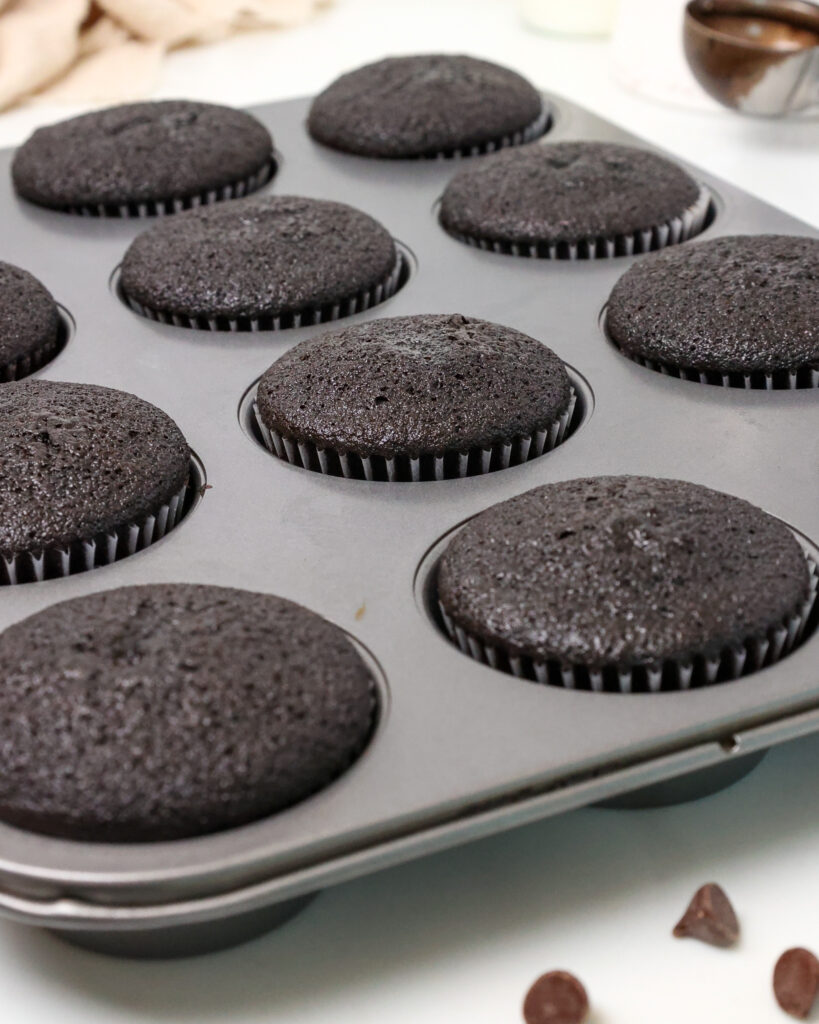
(757, 56)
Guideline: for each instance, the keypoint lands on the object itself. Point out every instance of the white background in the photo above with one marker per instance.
(458, 937)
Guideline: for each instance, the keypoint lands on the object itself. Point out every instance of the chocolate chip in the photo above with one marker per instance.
(796, 981)
(709, 917)
(556, 998)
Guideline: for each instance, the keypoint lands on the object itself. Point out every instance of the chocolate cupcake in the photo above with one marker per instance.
(30, 328)
(415, 398)
(573, 200)
(90, 475)
(159, 712)
(261, 264)
(626, 584)
(144, 158)
(739, 311)
(432, 105)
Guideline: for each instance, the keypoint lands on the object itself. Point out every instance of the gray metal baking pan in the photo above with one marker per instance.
(461, 750)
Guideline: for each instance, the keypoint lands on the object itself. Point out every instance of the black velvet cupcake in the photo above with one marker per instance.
(90, 475)
(739, 311)
(144, 158)
(160, 712)
(261, 264)
(30, 328)
(573, 200)
(626, 584)
(415, 398)
(432, 105)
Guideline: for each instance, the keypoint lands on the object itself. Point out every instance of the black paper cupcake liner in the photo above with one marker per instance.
(532, 131)
(678, 229)
(103, 549)
(450, 465)
(176, 204)
(697, 670)
(358, 303)
(803, 378)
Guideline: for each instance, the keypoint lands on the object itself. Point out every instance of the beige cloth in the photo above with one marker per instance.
(110, 51)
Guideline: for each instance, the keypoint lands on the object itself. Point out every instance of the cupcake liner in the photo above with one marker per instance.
(357, 303)
(161, 207)
(532, 131)
(402, 468)
(698, 669)
(803, 378)
(678, 229)
(103, 549)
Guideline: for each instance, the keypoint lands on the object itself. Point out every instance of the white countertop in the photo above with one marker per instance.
(458, 937)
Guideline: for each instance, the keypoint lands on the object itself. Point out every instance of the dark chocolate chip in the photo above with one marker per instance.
(709, 918)
(556, 998)
(796, 981)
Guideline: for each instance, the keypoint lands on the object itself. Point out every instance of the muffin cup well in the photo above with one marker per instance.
(102, 549)
(698, 669)
(678, 229)
(24, 366)
(534, 130)
(175, 204)
(358, 303)
(426, 466)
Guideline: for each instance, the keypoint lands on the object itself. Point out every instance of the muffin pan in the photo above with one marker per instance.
(461, 750)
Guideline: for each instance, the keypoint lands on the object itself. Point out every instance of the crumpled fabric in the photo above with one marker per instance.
(78, 51)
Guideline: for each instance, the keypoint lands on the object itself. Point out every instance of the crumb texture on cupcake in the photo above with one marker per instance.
(254, 258)
(422, 106)
(621, 571)
(29, 321)
(140, 152)
(738, 304)
(565, 192)
(81, 460)
(164, 711)
(412, 385)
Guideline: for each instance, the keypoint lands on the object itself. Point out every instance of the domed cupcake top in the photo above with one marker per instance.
(140, 152)
(255, 258)
(425, 105)
(414, 384)
(157, 712)
(565, 192)
(621, 571)
(80, 460)
(29, 321)
(737, 304)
